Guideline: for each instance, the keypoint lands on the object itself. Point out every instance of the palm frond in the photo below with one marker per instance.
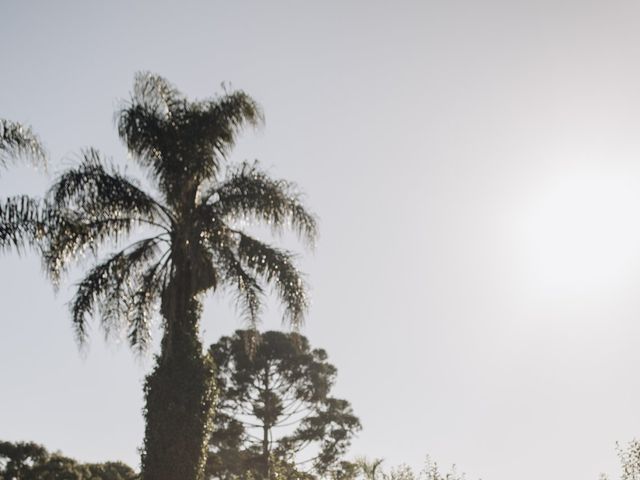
(276, 267)
(249, 192)
(142, 130)
(99, 191)
(159, 144)
(24, 222)
(107, 284)
(72, 236)
(147, 124)
(156, 93)
(222, 119)
(145, 297)
(17, 140)
(247, 291)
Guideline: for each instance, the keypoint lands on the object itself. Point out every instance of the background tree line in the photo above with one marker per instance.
(30, 461)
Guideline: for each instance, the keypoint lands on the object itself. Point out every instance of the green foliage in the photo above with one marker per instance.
(30, 461)
(373, 470)
(187, 244)
(275, 416)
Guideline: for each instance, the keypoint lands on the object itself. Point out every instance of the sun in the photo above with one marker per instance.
(582, 232)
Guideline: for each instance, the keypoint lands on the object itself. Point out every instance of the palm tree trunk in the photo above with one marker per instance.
(265, 453)
(265, 429)
(179, 392)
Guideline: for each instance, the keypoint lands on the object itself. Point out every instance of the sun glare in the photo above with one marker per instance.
(582, 233)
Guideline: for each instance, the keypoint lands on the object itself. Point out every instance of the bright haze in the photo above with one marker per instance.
(476, 169)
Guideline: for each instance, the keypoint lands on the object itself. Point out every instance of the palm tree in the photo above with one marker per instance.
(187, 243)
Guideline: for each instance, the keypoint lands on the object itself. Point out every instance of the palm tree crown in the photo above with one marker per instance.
(189, 221)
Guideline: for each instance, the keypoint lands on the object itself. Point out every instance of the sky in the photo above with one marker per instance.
(475, 166)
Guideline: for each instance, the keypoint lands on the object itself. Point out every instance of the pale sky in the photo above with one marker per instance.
(476, 169)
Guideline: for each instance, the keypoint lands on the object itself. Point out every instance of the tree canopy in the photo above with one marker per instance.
(365, 469)
(30, 461)
(275, 410)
